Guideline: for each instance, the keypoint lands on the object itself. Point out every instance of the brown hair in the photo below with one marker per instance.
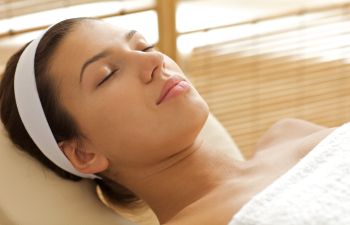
(61, 123)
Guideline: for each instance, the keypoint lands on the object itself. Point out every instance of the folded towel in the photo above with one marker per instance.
(315, 191)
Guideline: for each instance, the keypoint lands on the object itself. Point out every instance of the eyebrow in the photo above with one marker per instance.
(102, 54)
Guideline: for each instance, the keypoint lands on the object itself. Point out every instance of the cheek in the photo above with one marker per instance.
(120, 127)
(129, 132)
(156, 134)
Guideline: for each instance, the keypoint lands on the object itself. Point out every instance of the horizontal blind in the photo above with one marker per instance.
(12, 8)
(296, 66)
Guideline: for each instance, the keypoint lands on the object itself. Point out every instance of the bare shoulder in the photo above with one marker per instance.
(288, 129)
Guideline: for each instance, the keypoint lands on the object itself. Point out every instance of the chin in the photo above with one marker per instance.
(182, 118)
(199, 106)
(200, 118)
(194, 117)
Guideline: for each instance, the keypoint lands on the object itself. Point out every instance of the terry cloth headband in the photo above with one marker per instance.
(32, 114)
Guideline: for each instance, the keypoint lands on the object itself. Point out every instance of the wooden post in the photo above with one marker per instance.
(166, 10)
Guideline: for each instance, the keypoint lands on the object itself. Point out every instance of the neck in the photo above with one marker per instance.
(184, 178)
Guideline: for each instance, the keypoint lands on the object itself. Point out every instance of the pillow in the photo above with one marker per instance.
(30, 194)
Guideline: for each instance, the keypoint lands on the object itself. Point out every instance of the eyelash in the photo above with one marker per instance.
(150, 47)
(107, 77)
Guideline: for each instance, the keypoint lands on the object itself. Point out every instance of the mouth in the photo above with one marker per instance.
(173, 86)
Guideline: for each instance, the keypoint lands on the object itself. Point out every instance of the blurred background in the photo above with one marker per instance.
(253, 61)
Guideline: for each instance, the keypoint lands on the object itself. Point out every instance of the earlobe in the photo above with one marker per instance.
(82, 159)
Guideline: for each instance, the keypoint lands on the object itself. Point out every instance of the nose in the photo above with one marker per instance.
(150, 64)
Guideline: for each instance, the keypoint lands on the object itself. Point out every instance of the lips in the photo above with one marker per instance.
(169, 84)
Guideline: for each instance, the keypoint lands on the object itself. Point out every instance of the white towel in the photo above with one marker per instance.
(316, 191)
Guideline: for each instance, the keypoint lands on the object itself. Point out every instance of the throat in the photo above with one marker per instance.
(186, 179)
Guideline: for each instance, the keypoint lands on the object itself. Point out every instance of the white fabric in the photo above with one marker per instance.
(32, 113)
(316, 191)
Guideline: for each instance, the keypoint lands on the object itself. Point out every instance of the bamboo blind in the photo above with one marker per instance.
(12, 8)
(299, 69)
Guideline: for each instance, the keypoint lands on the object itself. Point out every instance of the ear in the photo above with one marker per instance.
(83, 159)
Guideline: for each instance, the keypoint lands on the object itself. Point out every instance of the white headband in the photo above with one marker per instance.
(32, 114)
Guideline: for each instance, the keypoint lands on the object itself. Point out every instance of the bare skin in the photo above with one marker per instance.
(154, 149)
(279, 149)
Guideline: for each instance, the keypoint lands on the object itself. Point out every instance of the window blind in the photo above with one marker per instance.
(12, 8)
(290, 66)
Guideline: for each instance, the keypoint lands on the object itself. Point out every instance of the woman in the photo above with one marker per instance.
(125, 114)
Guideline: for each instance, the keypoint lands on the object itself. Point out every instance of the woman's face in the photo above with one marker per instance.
(111, 82)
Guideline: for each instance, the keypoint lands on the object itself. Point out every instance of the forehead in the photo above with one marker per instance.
(95, 32)
(84, 41)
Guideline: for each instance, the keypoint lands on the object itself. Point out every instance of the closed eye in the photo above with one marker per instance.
(150, 47)
(107, 77)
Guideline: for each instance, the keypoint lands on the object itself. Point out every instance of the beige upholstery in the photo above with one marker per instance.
(32, 195)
